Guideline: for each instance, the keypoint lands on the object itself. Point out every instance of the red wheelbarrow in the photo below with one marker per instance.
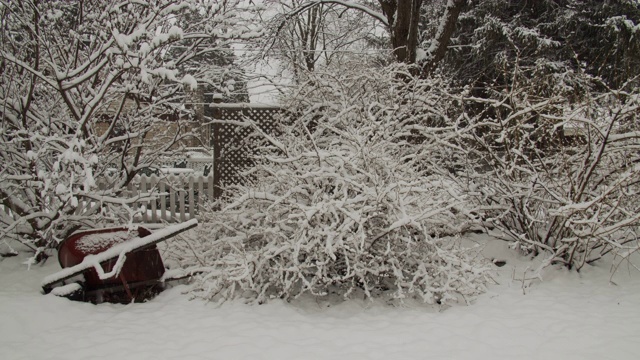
(113, 265)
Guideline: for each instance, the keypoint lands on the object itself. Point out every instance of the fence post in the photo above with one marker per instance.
(217, 147)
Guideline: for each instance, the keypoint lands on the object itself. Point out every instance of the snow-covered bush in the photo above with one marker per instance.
(82, 86)
(339, 202)
(559, 177)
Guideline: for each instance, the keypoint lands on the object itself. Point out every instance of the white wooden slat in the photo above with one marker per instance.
(133, 192)
(154, 203)
(144, 204)
(181, 204)
(172, 199)
(210, 186)
(201, 194)
(80, 207)
(163, 201)
(191, 195)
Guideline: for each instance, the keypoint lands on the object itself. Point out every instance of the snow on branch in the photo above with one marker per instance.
(347, 4)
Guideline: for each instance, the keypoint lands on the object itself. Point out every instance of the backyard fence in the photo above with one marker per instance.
(167, 198)
(180, 197)
(231, 140)
(180, 194)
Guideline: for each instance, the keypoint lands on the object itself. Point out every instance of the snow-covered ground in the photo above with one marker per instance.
(566, 316)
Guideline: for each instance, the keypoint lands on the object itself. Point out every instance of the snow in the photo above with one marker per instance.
(176, 32)
(566, 316)
(190, 81)
(95, 242)
(66, 289)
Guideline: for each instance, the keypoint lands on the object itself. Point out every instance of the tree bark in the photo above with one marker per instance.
(403, 16)
(440, 43)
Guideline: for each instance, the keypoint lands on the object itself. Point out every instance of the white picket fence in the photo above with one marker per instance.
(178, 198)
(154, 199)
(180, 193)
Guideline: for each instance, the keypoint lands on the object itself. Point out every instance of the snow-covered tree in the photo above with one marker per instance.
(68, 65)
(319, 37)
(401, 19)
(553, 41)
(213, 63)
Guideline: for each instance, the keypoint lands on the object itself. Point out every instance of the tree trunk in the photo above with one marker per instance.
(403, 17)
(440, 42)
(404, 30)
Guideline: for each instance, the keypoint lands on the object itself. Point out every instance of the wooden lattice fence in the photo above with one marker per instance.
(231, 139)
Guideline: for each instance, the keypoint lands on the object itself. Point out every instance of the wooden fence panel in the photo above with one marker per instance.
(177, 198)
(231, 139)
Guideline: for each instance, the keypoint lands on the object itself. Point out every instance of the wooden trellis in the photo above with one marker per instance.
(231, 139)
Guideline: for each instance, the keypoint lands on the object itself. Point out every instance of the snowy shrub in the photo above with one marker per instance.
(559, 178)
(340, 203)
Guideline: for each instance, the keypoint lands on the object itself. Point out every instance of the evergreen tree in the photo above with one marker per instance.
(545, 41)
